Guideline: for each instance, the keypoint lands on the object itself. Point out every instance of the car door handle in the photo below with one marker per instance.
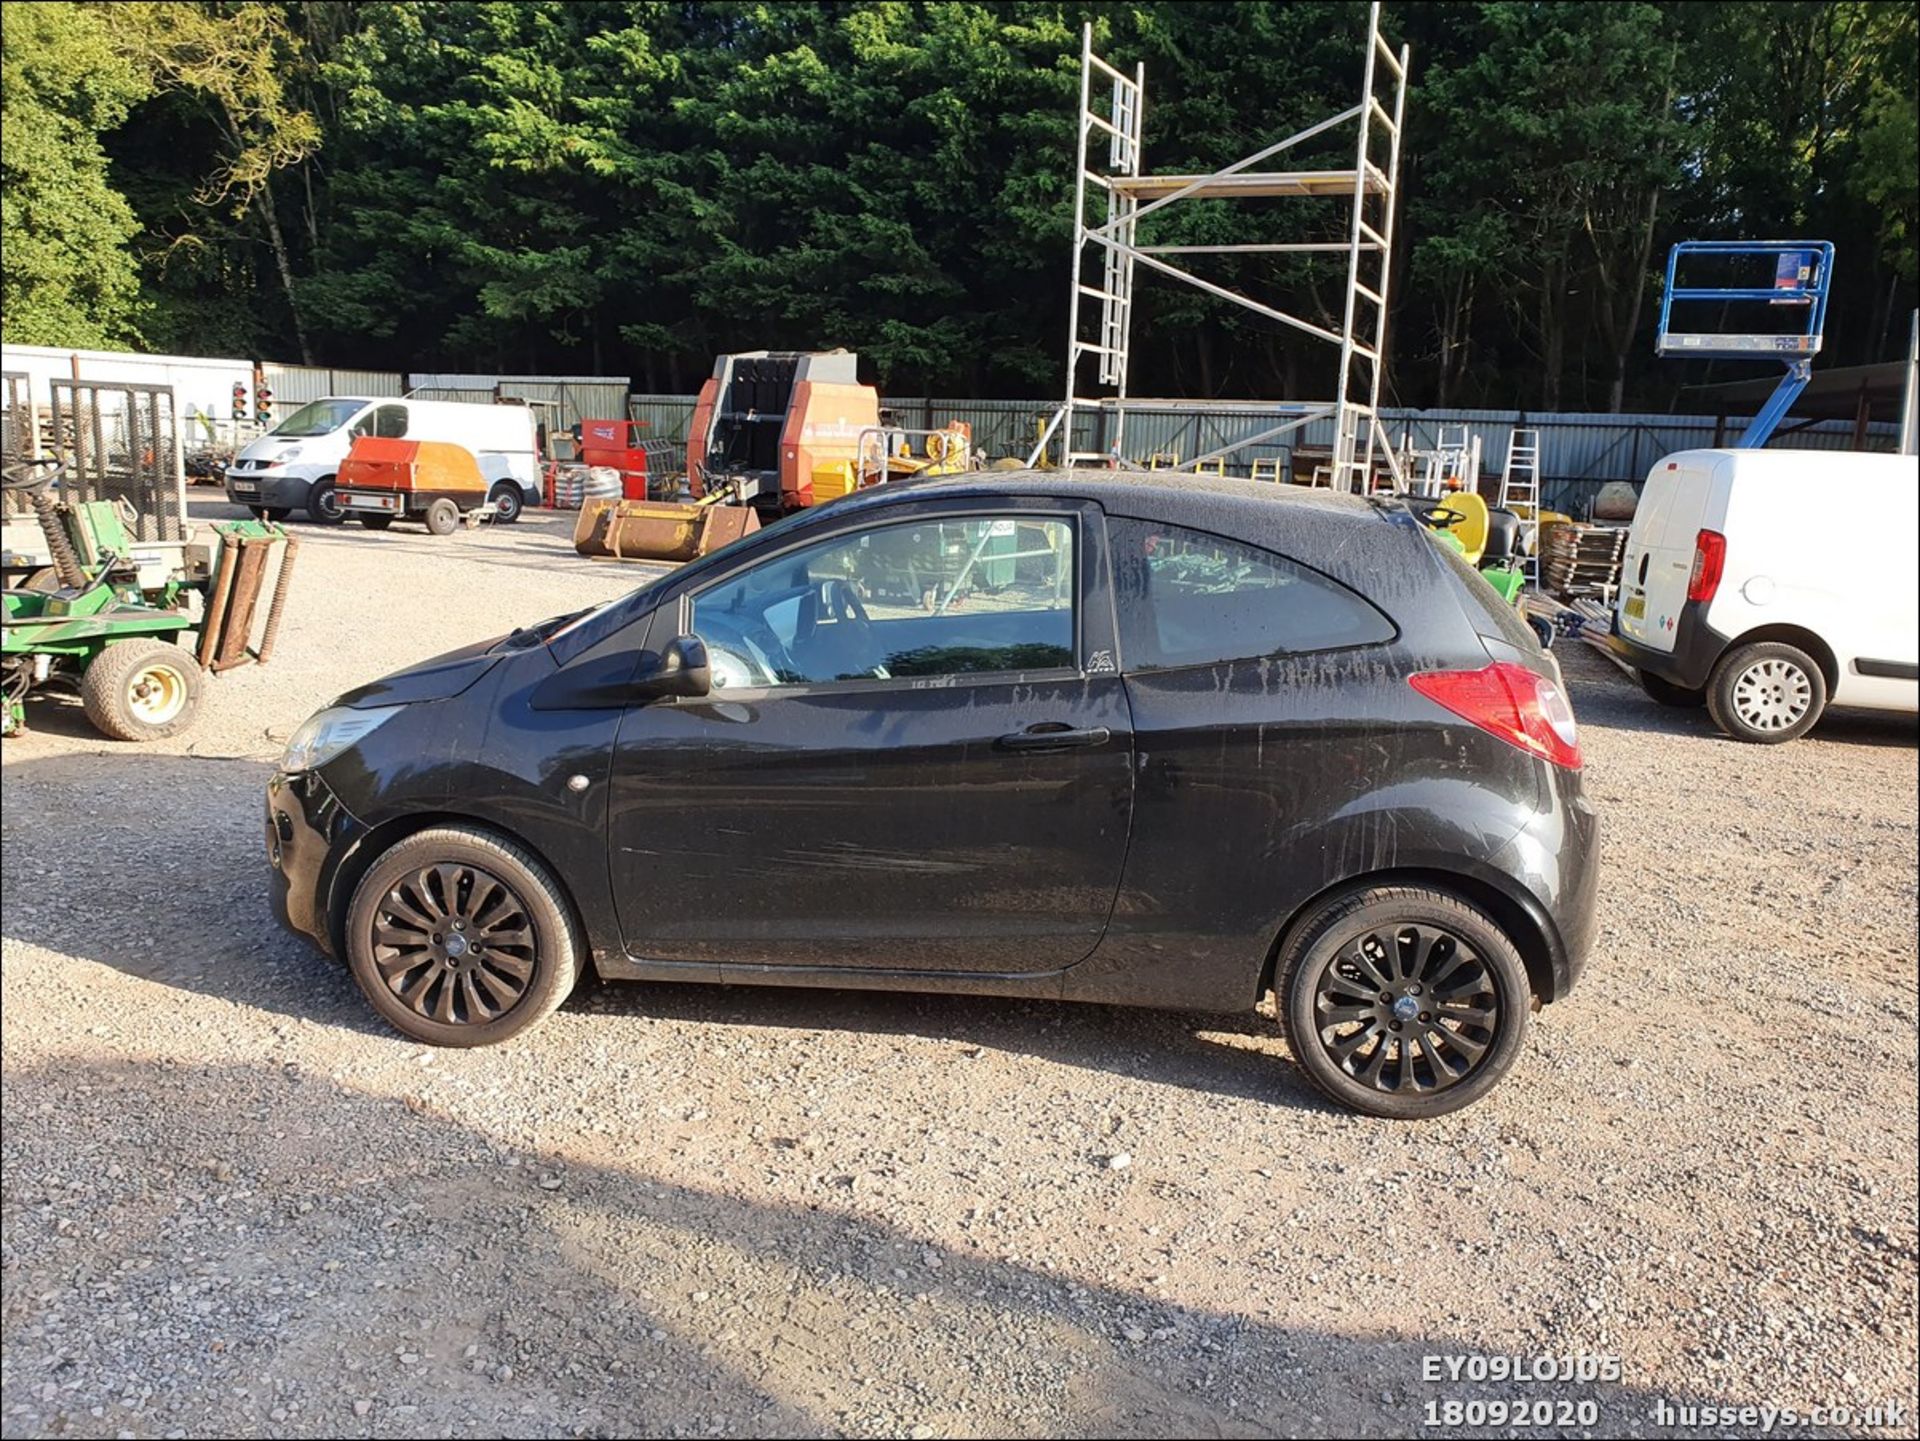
(1054, 736)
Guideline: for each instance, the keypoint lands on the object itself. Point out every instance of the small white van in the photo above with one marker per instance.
(1769, 584)
(292, 466)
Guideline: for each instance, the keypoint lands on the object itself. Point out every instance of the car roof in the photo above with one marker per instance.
(1146, 492)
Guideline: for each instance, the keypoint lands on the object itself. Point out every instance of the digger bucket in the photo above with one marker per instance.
(659, 530)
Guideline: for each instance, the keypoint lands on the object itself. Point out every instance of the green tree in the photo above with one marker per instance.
(70, 277)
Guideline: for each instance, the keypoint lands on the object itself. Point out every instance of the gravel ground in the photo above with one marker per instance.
(234, 1205)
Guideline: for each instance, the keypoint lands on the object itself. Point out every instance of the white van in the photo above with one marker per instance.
(1768, 584)
(292, 466)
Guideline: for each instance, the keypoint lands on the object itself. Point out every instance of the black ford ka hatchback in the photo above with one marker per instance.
(1073, 735)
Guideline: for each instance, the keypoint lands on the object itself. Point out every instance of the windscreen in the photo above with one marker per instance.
(317, 417)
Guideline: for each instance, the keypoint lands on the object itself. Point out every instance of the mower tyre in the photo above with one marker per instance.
(141, 690)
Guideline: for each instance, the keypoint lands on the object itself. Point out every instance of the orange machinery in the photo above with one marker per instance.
(767, 418)
(384, 480)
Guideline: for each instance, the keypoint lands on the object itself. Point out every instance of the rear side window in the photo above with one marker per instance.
(1188, 598)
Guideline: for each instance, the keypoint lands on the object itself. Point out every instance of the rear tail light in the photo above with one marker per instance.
(1709, 559)
(1511, 702)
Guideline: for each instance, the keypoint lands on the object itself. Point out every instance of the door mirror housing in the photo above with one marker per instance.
(679, 669)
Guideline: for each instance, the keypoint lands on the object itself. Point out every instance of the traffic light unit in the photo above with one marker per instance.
(239, 400)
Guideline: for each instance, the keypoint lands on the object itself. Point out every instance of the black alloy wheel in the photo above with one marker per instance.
(1407, 1010)
(1403, 1001)
(460, 937)
(454, 944)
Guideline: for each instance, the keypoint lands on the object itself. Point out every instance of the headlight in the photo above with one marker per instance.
(292, 452)
(326, 733)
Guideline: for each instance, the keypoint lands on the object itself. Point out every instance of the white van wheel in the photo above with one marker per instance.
(323, 503)
(507, 502)
(1767, 693)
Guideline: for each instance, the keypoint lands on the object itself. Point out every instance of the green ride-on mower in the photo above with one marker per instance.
(1488, 539)
(136, 645)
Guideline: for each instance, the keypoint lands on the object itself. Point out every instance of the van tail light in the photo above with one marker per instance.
(1511, 702)
(1709, 559)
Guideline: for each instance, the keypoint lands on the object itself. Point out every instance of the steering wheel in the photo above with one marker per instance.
(1438, 519)
(20, 475)
(836, 601)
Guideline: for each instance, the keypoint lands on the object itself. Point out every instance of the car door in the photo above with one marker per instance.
(916, 755)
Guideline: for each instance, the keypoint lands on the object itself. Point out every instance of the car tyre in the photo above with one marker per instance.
(507, 501)
(1667, 693)
(141, 690)
(274, 513)
(1766, 693)
(443, 517)
(375, 522)
(1403, 1001)
(323, 503)
(459, 937)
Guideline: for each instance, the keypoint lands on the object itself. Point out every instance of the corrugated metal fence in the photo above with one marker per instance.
(562, 400)
(1579, 452)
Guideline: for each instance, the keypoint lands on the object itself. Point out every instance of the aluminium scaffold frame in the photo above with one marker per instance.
(1132, 195)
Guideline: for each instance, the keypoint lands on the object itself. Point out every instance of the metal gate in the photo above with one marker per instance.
(17, 440)
(121, 443)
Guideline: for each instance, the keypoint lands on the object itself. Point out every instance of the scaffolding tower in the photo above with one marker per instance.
(1131, 195)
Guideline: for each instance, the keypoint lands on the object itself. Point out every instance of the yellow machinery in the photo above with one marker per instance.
(885, 453)
(1470, 530)
(662, 529)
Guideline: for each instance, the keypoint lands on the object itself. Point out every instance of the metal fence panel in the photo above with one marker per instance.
(121, 440)
(666, 416)
(294, 385)
(563, 400)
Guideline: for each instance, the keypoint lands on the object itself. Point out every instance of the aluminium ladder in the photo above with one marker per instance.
(1129, 195)
(1520, 492)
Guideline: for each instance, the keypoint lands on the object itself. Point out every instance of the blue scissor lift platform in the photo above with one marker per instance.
(1802, 270)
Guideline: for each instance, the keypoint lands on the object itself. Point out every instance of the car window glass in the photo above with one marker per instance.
(390, 422)
(961, 596)
(1184, 597)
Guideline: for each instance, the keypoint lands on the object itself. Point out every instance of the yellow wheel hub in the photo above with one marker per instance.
(157, 694)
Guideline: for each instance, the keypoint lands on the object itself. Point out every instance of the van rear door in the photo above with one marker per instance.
(1653, 577)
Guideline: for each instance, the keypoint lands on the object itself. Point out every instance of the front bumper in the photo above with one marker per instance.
(259, 487)
(309, 833)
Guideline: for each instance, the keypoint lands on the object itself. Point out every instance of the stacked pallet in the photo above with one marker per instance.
(1582, 560)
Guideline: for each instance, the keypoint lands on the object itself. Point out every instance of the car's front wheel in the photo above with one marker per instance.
(461, 938)
(323, 502)
(507, 501)
(1402, 1001)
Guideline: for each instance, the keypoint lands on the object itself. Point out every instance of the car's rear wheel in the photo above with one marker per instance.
(461, 938)
(1767, 693)
(1667, 693)
(1403, 1001)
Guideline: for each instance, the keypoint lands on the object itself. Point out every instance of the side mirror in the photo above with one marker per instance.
(680, 669)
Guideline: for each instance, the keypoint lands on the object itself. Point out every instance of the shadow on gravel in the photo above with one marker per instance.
(155, 865)
(267, 1236)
